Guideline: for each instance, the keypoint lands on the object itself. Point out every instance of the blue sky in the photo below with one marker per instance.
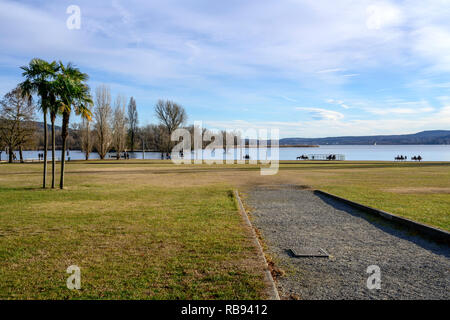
(310, 68)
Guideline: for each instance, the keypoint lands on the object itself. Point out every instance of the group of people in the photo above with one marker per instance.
(320, 157)
(404, 158)
(167, 156)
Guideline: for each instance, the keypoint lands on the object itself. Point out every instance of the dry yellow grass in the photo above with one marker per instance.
(152, 229)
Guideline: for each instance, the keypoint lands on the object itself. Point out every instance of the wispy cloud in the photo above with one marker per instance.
(338, 102)
(383, 14)
(220, 56)
(341, 127)
(331, 70)
(399, 107)
(288, 99)
(322, 114)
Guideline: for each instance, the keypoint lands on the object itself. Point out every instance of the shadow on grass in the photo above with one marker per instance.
(25, 189)
(392, 228)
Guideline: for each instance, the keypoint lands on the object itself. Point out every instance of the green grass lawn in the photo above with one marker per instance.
(131, 240)
(154, 230)
(420, 192)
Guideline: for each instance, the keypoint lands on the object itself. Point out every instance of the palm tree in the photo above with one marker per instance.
(39, 75)
(54, 110)
(72, 92)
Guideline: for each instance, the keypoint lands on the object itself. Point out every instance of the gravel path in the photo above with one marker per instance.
(411, 267)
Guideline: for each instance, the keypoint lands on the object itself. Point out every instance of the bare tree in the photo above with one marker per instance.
(192, 129)
(17, 126)
(171, 115)
(159, 137)
(132, 122)
(87, 141)
(103, 118)
(119, 126)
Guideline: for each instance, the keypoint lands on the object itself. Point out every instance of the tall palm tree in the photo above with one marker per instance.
(72, 92)
(54, 110)
(38, 79)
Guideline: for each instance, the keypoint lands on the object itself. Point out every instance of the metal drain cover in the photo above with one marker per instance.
(309, 252)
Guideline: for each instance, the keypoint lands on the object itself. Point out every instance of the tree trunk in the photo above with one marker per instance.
(88, 141)
(52, 119)
(132, 140)
(44, 180)
(64, 133)
(102, 152)
(21, 154)
(11, 155)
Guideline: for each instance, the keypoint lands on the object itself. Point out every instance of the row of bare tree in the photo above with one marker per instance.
(62, 90)
(111, 127)
(110, 124)
(114, 128)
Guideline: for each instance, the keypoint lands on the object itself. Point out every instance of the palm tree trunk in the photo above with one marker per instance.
(52, 119)
(44, 180)
(64, 133)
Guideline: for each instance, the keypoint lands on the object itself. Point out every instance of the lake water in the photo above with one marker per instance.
(351, 152)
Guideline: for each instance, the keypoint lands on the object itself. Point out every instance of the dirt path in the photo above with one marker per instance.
(411, 267)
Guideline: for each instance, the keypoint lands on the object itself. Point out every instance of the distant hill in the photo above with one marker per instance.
(49, 126)
(424, 137)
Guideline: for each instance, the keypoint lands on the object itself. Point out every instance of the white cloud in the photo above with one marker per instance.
(393, 111)
(383, 15)
(331, 70)
(339, 103)
(236, 51)
(174, 39)
(333, 128)
(433, 43)
(322, 114)
(444, 112)
(400, 107)
(234, 41)
(288, 99)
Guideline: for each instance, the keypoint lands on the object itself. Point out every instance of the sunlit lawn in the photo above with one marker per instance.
(154, 230)
(419, 192)
(132, 240)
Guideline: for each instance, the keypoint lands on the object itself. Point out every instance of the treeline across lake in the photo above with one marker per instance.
(54, 90)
